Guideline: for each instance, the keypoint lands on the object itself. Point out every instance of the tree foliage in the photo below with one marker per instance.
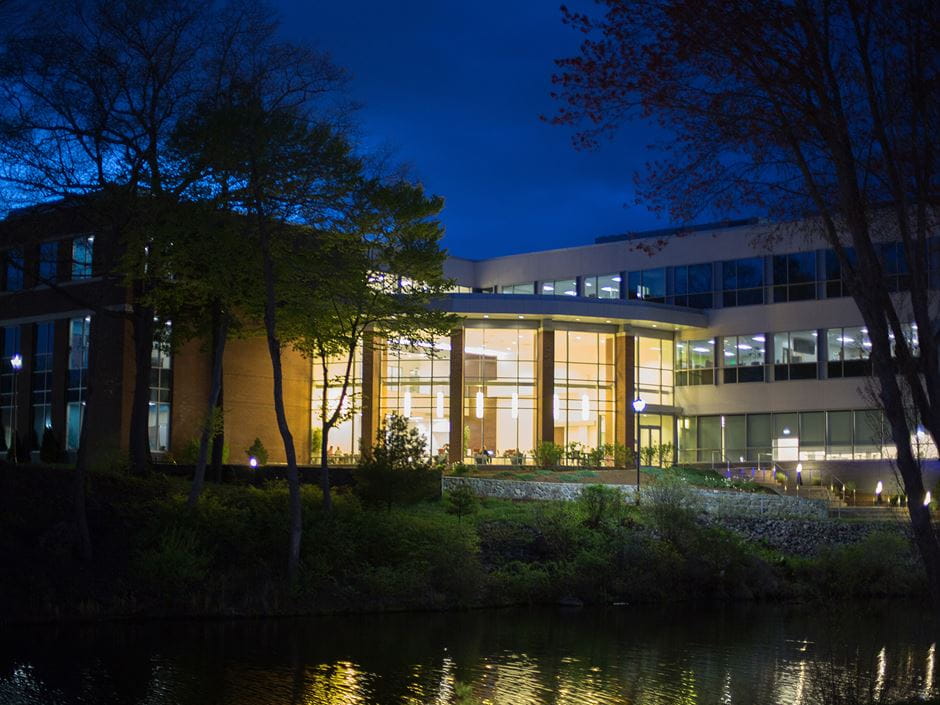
(820, 112)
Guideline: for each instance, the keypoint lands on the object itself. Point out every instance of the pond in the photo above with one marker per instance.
(747, 655)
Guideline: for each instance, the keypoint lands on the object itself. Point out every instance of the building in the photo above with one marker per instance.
(742, 343)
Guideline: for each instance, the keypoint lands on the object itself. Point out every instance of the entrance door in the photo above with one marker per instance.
(650, 436)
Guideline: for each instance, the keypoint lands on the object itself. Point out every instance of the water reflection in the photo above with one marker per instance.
(753, 655)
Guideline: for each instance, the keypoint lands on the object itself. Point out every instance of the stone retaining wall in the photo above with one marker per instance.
(714, 502)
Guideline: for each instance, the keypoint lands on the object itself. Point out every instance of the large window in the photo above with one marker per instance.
(525, 288)
(499, 392)
(848, 352)
(835, 286)
(695, 362)
(583, 404)
(649, 285)
(48, 262)
(795, 276)
(795, 355)
(78, 371)
(654, 370)
(11, 347)
(693, 285)
(896, 272)
(416, 385)
(742, 282)
(342, 445)
(82, 256)
(161, 384)
(606, 286)
(13, 270)
(743, 357)
(42, 382)
(560, 287)
(791, 436)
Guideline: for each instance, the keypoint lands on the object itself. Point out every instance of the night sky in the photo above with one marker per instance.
(456, 90)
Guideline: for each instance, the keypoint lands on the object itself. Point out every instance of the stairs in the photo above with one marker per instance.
(876, 512)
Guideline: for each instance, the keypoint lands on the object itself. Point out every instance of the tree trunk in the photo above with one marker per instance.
(325, 469)
(218, 440)
(219, 334)
(139, 444)
(274, 349)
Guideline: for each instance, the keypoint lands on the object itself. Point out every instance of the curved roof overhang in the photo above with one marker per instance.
(640, 314)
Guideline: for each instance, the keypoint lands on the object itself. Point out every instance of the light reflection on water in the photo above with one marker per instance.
(756, 655)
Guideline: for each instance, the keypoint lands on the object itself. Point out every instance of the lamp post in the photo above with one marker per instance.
(638, 407)
(16, 362)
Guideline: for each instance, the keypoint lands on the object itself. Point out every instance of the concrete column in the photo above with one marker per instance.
(371, 389)
(545, 372)
(625, 390)
(456, 450)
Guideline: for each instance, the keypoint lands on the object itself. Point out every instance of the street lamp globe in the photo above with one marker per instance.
(16, 362)
(639, 406)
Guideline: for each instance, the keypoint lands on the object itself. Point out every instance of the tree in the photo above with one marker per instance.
(93, 90)
(274, 161)
(821, 111)
(386, 270)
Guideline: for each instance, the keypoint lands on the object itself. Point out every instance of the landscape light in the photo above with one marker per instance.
(252, 462)
(17, 362)
(927, 499)
(639, 406)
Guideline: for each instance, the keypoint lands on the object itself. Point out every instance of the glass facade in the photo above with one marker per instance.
(695, 362)
(42, 382)
(525, 288)
(654, 370)
(13, 269)
(78, 370)
(791, 436)
(606, 286)
(499, 392)
(11, 347)
(693, 285)
(342, 445)
(416, 385)
(649, 285)
(795, 355)
(161, 384)
(583, 402)
(794, 276)
(848, 351)
(48, 262)
(560, 287)
(82, 256)
(742, 282)
(743, 358)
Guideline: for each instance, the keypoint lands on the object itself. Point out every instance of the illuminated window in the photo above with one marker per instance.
(82, 256)
(499, 393)
(161, 384)
(795, 355)
(584, 388)
(695, 362)
(848, 352)
(342, 444)
(602, 287)
(78, 371)
(560, 287)
(743, 358)
(654, 370)
(526, 288)
(416, 384)
(11, 347)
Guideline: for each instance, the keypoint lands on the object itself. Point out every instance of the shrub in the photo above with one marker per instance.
(664, 453)
(623, 456)
(671, 506)
(595, 458)
(176, 564)
(461, 469)
(461, 501)
(259, 452)
(601, 505)
(50, 451)
(397, 470)
(648, 454)
(190, 454)
(548, 454)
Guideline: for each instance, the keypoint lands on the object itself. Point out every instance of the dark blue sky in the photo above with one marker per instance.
(456, 89)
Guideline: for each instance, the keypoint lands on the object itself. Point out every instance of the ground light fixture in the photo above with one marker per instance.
(252, 462)
(879, 488)
(927, 499)
(638, 407)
